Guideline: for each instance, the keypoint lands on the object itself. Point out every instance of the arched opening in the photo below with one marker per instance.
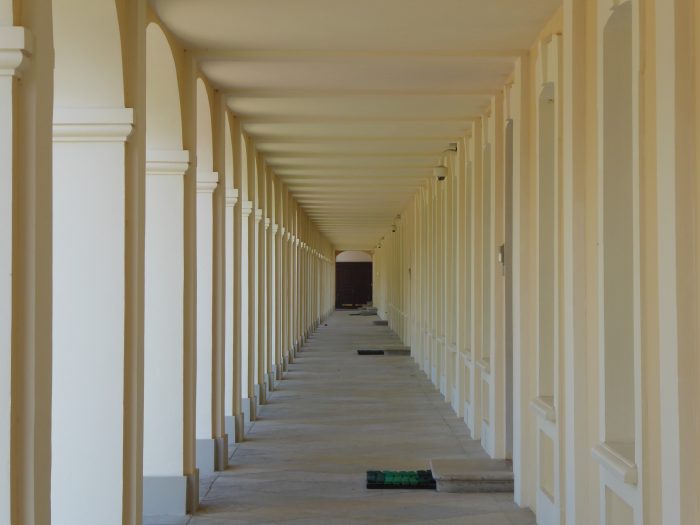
(164, 467)
(207, 181)
(618, 246)
(353, 279)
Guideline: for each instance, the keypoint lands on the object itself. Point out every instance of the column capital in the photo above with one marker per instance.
(288, 237)
(275, 228)
(283, 230)
(258, 215)
(267, 223)
(231, 197)
(207, 181)
(92, 124)
(167, 162)
(246, 208)
(15, 50)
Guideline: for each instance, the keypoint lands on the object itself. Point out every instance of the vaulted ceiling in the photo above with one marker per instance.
(352, 102)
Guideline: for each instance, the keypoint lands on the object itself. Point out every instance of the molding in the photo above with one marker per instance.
(16, 45)
(231, 197)
(544, 407)
(92, 124)
(246, 208)
(207, 181)
(167, 162)
(258, 215)
(485, 364)
(615, 463)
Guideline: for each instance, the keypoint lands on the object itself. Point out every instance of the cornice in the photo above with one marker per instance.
(15, 50)
(92, 124)
(167, 162)
(231, 197)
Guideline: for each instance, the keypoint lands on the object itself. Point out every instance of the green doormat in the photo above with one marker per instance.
(403, 479)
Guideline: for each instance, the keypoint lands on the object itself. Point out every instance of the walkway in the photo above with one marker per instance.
(335, 416)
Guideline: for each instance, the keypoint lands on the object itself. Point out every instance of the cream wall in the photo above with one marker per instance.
(569, 462)
(93, 197)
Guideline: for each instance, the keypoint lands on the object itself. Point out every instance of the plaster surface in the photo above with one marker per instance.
(335, 416)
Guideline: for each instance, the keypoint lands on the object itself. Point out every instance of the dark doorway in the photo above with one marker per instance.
(353, 284)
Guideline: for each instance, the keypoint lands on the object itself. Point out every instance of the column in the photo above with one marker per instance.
(285, 298)
(25, 266)
(279, 305)
(253, 314)
(165, 485)
(244, 309)
(272, 268)
(232, 370)
(206, 443)
(261, 377)
(89, 314)
(12, 53)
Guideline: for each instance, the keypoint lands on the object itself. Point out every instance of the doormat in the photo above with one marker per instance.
(403, 479)
(370, 352)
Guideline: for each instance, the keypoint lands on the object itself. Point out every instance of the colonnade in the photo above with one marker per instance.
(156, 276)
(549, 286)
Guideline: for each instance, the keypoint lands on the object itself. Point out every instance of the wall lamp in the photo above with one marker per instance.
(440, 171)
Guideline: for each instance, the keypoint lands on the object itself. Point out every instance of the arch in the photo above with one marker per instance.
(353, 256)
(205, 152)
(163, 114)
(228, 153)
(88, 61)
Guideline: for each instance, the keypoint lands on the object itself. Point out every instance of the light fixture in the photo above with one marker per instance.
(440, 171)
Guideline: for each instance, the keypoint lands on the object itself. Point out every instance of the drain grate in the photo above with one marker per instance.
(402, 479)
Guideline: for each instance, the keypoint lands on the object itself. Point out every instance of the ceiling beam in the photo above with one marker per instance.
(308, 55)
(336, 93)
(269, 119)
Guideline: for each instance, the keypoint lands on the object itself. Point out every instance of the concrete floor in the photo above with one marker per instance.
(335, 416)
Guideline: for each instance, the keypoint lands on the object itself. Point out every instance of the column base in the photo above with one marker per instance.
(285, 362)
(165, 495)
(260, 394)
(278, 371)
(230, 428)
(192, 492)
(206, 455)
(271, 378)
(221, 459)
(234, 428)
(248, 412)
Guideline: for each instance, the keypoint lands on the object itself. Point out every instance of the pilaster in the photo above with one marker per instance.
(164, 485)
(232, 378)
(207, 451)
(89, 313)
(15, 48)
(244, 313)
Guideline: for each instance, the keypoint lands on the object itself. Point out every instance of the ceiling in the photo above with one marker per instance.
(352, 102)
